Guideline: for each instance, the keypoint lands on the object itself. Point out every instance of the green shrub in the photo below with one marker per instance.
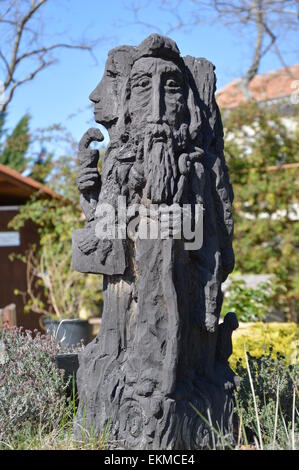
(32, 389)
(259, 337)
(266, 230)
(275, 387)
(250, 304)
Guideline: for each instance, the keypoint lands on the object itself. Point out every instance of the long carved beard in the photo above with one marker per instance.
(160, 155)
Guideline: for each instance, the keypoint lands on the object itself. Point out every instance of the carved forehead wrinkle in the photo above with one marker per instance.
(109, 66)
(150, 65)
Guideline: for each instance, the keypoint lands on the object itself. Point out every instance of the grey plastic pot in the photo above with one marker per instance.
(68, 332)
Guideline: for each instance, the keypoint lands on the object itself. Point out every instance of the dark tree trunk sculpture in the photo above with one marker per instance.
(160, 354)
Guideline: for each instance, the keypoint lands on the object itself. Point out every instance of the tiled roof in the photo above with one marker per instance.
(269, 86)
(25, 183)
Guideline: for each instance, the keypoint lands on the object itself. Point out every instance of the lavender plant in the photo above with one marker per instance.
(32, 389)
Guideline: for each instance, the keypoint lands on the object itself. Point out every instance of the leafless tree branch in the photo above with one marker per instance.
(265, 20)
(258, 14)
(20, 27)
(43, 50)
(268, 18)
(18, 37)
(16, 84)
(169, 7)
(2, 56)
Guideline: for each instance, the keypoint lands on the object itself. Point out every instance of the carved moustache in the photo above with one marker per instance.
(157, 133)
(163, 132)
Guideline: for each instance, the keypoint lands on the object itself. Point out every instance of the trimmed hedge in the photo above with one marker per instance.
(259, 337)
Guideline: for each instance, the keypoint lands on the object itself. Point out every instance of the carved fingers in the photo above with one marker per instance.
(87, 179)
(88, 175)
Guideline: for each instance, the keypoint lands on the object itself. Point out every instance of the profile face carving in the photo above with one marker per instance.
(107, 94)
(157, 93)
(105, 110)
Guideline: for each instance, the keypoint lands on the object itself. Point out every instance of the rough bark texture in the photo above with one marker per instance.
(160, 352)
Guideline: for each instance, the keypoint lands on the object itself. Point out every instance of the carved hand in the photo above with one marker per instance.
(89, 243)
(88, 177)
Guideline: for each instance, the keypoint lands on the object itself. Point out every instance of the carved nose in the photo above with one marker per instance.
(157, 99)
(94, 96)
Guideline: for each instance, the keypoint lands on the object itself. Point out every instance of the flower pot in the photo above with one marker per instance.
(68, 332)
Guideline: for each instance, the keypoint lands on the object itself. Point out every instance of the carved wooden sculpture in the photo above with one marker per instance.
(157, 356)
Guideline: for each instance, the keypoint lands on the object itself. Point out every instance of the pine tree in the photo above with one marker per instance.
(41, 166)
(16, 144)
(14, 151)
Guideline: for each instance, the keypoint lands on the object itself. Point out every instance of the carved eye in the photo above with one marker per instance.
(171, 83)
(110, 73)
(172, 86)
(142, 83)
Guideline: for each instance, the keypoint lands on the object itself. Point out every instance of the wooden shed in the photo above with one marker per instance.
(15, 190)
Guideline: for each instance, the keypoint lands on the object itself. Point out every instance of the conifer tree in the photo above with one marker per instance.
(16, 144)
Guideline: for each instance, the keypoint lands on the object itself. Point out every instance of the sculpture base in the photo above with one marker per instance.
(135, 418)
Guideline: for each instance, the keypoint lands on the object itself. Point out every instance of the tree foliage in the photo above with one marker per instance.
(250, 304)
(41, 165)
(16, 145)
(260, 338)
(262, 153)
(17, 152)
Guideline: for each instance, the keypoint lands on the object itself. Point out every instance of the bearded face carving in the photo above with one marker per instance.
(157, 348)
(158, 112)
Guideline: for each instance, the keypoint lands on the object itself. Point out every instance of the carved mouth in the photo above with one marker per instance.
(102, 119)
(97, 111)
(159, 138)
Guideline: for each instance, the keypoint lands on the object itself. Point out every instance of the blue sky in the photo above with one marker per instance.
(63, 90)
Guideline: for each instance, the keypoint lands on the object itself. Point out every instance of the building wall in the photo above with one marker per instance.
(13, 273)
